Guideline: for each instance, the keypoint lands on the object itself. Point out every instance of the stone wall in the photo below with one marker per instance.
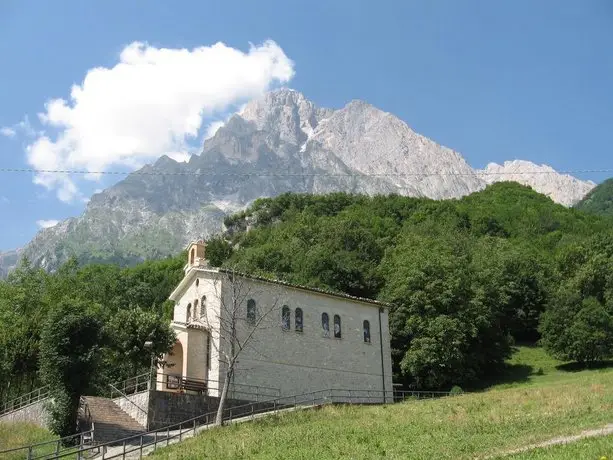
(34, 413)
(141, 400)
(167, 408)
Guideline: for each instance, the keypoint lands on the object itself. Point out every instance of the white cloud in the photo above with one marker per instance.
(152, 102)
(181, 157)
(47, 223)
(8, 131)
(212, 128)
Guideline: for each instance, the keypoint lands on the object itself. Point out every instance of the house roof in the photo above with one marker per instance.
(192, 272)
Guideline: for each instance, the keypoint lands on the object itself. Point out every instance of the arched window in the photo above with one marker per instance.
(189, 313)
(195, 308)
(366, 327)
(325, 324)
(337, 326)
(285, 315)
(192, 256)
(203, 306)
(197, 281)
(298, 319)
(251, 311)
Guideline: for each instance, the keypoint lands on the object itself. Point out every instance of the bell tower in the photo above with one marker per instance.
(196, 254)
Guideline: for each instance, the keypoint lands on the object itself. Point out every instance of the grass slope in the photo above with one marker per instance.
(19, 434)
(539, 406)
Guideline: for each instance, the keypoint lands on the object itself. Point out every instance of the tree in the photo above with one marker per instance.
(233, 329)
(128, 330)
(446, 324)
(70, 351)
(578, 330)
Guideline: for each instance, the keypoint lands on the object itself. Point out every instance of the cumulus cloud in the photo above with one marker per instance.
(47, 223)
(152, 102)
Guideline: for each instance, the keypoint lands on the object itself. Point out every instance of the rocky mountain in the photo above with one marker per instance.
(561, 188)
(599, 200)
(279, 143)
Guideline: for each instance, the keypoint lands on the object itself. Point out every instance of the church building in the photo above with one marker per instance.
(287, 339)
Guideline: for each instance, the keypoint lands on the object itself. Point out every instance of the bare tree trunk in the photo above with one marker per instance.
(223, 397)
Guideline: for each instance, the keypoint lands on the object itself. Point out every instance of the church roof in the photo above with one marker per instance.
(193, 270)
(304, 288)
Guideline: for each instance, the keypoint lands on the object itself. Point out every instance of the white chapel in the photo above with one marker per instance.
(292, 339)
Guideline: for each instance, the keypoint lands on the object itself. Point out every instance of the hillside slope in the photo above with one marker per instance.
(599, 200)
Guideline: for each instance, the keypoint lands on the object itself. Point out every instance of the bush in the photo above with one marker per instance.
(456, 390)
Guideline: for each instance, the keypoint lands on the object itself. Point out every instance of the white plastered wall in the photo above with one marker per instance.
(300, 362)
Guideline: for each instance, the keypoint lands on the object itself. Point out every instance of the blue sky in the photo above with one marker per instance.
(494, 80)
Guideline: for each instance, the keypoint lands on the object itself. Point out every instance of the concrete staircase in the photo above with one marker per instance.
(111, 423)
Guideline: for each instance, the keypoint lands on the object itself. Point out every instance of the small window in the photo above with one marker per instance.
(337, 327)
(366, 327)
(203, 306)
(325, 324)
(298, 319)
(251, 311)
(285, 315)
(192, 256)
(197, 281)
(189, 312)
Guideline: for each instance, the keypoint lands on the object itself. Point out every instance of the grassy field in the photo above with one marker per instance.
(531, 407)
(21, 434)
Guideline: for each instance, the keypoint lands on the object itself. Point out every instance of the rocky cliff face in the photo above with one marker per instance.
(561, 188)
(277, 144)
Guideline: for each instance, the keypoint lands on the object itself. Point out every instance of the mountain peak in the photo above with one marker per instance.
(286, 114)
(561, 188)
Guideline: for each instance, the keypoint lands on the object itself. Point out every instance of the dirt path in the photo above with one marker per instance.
(604, 431)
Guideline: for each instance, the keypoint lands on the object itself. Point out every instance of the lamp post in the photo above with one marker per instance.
(149, 346)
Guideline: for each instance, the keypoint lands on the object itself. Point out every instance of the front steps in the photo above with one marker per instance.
(111, 423)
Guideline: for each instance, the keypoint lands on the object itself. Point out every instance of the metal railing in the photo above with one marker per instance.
(143, 382)
(51, 449)
(214, 387)
(129, 386)
(152, 440)
(25, 400)
(126, 397)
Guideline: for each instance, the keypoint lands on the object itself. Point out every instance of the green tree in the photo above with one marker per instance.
(579, 330)
(128, 330)
(69, 356)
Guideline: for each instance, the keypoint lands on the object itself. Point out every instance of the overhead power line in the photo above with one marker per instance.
(288, 174)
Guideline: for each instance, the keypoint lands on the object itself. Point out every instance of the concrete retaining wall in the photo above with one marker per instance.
(167, 408)
(141, 400)
(34, 413)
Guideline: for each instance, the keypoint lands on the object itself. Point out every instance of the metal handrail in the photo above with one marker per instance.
(124, 395)
(25, 400)
(30, 448)
(236, 388)
(319, 397)
(133, 383)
